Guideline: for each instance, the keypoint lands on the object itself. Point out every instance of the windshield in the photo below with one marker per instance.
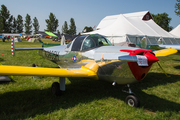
(77, 43)
(83, 43)
(93, 41)
(101, 40)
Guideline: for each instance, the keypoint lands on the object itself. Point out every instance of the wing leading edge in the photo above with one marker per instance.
(54, 72)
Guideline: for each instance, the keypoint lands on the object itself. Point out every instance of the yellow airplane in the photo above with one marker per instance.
(94, 57)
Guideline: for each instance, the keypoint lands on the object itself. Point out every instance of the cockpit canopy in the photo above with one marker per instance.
(87, 42)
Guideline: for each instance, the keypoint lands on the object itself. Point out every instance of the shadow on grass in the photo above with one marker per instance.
(176, 60)
(177, 67)
(152, 102)
(29, 103)
(6, 81)
(1, 59)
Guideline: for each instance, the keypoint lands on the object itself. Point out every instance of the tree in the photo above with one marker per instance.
(9, 25)
(65, 28)
(177, 8)
(52, 23)
(58, 32)
(5, 19)
(28, 25)
(1, 24)
(35, 25)
(19, 24)
(87, 29)
(72, 27)
(163, 21)
(14, 26)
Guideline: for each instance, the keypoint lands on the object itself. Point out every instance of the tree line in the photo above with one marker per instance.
(10, 24)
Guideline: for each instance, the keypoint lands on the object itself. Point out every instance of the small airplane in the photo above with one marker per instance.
(93, 56)
(160, 44)
(175, 46)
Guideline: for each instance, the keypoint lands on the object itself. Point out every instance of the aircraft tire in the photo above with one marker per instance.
(132, 101)
(55, 89)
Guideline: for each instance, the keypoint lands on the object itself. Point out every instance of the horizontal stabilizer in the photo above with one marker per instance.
(19, 49)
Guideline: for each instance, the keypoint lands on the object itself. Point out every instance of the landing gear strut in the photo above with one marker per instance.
(131, 99)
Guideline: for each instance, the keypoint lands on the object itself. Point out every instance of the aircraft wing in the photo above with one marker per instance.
(54, 72)
(165, 52)
(124, 54)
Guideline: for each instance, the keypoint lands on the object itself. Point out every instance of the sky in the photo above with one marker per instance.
(87, 12)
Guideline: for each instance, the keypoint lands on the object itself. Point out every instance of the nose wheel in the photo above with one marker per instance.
(131, 99)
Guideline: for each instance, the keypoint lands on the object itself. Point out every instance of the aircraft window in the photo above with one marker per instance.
(77, 43)
(88, 44)
(91, 41)
(100, 40)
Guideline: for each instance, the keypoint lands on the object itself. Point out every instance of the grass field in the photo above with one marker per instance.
(28, 98)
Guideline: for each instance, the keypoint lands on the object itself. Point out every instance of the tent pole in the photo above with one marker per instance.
(128, 38)
(149, 40)
(176, 40)
(170, 41)
(156, 39)
(163, 40)
(139, 40)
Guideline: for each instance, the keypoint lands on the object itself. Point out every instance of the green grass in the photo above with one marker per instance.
(28, 98)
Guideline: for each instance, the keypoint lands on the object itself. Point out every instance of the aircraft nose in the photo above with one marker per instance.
(151, 58)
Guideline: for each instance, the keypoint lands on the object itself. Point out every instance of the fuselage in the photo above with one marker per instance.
(86, 51)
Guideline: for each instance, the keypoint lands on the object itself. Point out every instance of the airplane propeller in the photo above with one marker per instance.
(148, 53)
(139, 54)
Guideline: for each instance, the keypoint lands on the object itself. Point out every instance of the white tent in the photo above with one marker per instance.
(132, 27)
(17, 39)
(176, 31)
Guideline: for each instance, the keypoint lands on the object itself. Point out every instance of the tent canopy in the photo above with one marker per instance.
(131, 25)
(176, 31)
(50, 34)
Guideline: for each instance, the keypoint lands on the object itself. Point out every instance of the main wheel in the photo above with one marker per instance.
(55, 89)
(132, 101)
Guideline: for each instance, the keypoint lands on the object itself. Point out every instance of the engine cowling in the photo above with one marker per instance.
(138, 71)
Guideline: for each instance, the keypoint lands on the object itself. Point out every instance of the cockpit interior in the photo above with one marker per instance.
(87, 42)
